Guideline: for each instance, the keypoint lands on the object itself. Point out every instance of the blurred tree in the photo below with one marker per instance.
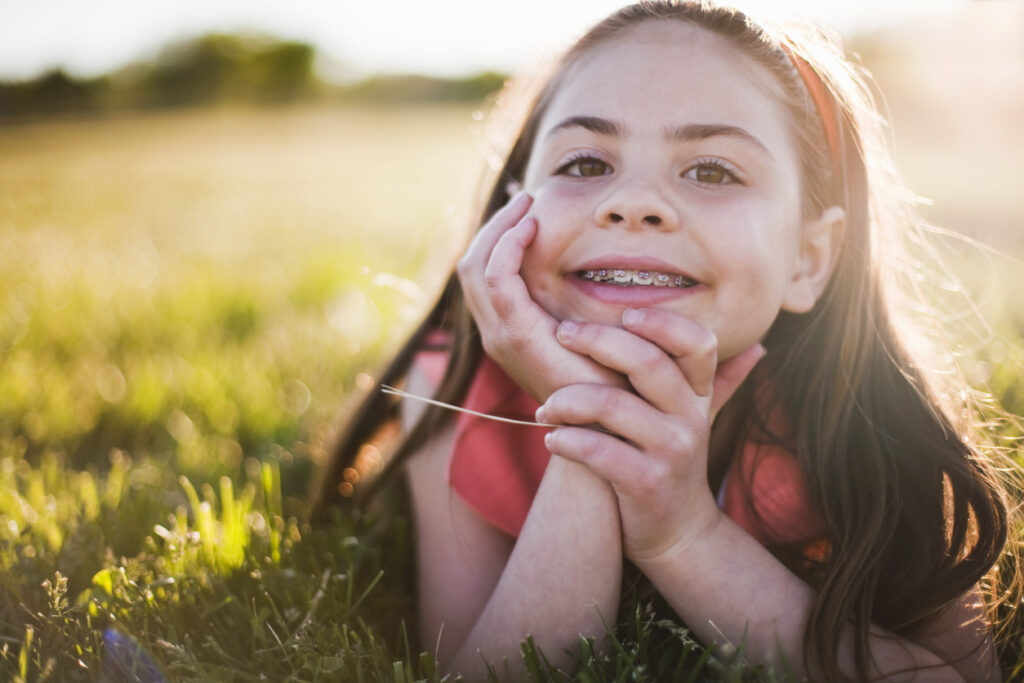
(415, 88)
(53, 92)
(218, 68)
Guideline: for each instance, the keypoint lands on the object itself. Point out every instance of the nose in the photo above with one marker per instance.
(636, 205)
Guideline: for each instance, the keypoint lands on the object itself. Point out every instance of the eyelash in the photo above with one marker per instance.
(718, 165)
(576, 159)
(701, 163)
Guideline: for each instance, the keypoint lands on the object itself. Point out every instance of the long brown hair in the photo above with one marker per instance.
(915, 516)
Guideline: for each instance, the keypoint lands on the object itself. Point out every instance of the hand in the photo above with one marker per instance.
(515, 331)
(654, 453)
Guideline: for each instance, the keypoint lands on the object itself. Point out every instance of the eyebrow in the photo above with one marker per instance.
(594, 124)
(691, 132)
(702, 131)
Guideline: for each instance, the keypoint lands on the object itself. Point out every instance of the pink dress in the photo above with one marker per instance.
(496, 468)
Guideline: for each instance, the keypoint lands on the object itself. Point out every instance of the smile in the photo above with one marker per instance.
(628, 277)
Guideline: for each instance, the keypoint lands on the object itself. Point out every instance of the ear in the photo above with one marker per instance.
(821, 241)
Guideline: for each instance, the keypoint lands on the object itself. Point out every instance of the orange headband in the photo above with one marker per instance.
(822, 102)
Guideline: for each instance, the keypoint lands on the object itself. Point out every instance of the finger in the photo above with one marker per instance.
(479, 251)
(653, 373)
(731, 374)
(505, 287)
(693, 346)
(472, 264)
(619, 412)
(610, 458)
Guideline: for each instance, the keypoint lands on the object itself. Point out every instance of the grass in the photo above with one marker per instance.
(186, 301)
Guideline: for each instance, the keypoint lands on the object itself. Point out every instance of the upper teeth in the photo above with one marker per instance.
(630, 277)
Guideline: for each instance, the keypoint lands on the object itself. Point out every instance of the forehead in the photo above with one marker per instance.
(670, 72)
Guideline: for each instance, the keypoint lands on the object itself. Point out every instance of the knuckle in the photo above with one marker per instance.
(512, 338)
(706, 343)
(651, 359)
(492, 280)
(648, 482)
(590, 441)
(609, 402)
(671, 444)
(501, 305)
(487, 341)
(683, 441)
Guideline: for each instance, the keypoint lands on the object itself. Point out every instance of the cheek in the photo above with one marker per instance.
(556, 201)
(759, 231)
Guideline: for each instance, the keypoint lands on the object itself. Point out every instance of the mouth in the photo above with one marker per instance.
(636, 277)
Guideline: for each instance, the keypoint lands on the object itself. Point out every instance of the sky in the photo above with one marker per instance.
(356, 37)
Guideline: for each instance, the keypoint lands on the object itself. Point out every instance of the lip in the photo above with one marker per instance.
(631, 296)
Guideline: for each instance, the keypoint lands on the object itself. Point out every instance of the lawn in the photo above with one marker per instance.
(189, 303)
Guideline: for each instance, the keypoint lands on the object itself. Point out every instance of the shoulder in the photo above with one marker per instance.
(425, 374)
(765, 492)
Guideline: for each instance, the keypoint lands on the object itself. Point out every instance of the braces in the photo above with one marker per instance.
(624, 276)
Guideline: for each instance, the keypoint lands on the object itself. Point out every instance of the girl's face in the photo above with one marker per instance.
(664, 175)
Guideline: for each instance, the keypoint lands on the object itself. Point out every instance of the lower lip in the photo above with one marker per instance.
(632, 296)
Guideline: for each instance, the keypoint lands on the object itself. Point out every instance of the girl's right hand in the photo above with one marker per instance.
(514, 330)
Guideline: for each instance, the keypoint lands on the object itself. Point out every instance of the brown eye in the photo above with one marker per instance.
(710, 174)
(584, 167)
(588, 168)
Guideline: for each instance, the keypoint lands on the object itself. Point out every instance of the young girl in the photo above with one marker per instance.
(693, 284)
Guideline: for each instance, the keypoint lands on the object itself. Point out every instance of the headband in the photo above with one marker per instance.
(823, 102)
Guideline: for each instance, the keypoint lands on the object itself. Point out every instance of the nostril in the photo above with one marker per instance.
(653, 220)
(616, 218)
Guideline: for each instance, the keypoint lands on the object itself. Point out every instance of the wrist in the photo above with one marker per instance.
(699, 529)
(575, 476)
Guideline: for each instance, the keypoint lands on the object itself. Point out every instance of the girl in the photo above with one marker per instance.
(692, 284)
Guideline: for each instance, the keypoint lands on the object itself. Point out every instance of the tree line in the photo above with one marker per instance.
(221, 68)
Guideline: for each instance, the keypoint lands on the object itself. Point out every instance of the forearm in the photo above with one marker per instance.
(758, 602)
(562, 578)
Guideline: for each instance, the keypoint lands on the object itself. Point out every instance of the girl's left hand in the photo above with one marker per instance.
(654, 452)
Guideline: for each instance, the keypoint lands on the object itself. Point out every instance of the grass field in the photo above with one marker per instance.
(187, 302)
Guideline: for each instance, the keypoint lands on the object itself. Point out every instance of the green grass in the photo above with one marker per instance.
(187, 302)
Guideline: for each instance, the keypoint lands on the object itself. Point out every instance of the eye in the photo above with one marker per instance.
(584, 167)
(711, 172)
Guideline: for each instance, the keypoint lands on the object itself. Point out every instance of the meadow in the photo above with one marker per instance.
(190, 301)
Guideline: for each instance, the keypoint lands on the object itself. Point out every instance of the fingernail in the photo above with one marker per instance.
(539, 415)
(512, 188)
(567, 328)
(632, 316)
(549, 439)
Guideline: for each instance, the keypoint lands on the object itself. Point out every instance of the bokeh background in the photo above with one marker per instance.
(217, 219)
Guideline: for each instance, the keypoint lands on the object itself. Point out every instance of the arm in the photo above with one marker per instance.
(482, 592)
(761, 600)
(485, 592)
(672, 527)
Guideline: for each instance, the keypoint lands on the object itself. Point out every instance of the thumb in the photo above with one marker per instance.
(731, 373)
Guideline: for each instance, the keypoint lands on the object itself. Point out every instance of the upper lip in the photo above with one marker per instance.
(611, 261)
